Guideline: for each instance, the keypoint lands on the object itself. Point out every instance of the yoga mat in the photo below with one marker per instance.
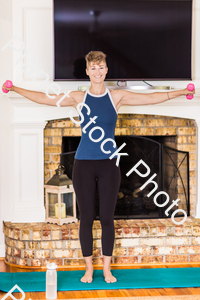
(126, 279)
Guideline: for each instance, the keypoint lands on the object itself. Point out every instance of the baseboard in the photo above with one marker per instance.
(113, 266)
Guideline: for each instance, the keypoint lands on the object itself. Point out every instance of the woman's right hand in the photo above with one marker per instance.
(6, 88)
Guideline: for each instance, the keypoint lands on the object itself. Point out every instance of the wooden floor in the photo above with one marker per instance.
(106, 293)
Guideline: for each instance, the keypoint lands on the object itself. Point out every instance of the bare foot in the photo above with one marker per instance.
(109, 278)
(88, 276)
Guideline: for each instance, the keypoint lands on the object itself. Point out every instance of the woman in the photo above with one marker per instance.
(92, 167)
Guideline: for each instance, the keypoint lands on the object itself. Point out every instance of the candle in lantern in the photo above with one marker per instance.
(63, 211)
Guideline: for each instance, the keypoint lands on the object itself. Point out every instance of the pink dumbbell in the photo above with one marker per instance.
(190, 87)
(8, 84)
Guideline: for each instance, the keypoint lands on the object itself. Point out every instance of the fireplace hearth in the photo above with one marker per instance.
(170, 165)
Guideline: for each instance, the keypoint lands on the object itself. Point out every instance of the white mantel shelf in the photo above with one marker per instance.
(178, 107)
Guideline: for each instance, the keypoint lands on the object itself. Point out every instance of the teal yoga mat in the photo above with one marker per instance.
(126, 279)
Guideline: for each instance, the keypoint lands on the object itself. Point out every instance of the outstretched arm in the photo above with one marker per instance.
(131, 98)
(63, 99)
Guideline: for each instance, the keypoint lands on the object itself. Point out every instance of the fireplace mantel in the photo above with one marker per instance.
(179, 107)
(28, 123)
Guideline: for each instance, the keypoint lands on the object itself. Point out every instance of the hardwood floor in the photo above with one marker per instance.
(105, 293)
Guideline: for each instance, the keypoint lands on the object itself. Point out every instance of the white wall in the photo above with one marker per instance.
(32, 21)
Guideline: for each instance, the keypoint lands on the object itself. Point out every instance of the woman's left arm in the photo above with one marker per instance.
(131, 98)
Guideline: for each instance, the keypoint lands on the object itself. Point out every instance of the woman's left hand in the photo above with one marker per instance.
(187, 92)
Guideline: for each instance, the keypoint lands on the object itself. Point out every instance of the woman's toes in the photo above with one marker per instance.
(109, 278)
(87, 277)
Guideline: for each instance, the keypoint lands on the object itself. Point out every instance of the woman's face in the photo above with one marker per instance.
(97, 73)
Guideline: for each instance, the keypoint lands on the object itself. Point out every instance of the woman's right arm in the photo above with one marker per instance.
(42, 98)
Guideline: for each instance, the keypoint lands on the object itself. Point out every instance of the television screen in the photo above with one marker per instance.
(142, 39)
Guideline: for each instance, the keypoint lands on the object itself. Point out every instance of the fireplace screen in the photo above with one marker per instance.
(172, 177)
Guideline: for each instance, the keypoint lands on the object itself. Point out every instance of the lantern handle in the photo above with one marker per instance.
(61, 167)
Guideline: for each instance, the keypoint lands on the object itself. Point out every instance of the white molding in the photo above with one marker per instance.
(22, 214)
(28, 124)
(25, 28)
(189, 108)
(28, 171)
(20, 28)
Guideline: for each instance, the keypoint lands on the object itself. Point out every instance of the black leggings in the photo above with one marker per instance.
(105, 175)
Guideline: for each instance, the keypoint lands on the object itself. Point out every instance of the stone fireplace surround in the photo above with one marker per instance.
(29, 121)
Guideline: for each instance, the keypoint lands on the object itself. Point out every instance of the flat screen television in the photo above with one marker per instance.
(143, 39)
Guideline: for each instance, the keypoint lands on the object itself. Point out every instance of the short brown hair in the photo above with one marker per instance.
(95, 56)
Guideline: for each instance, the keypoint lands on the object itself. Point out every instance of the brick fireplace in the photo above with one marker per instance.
(32, 137)
(183, 131)
(137, 241)
(37, 145)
